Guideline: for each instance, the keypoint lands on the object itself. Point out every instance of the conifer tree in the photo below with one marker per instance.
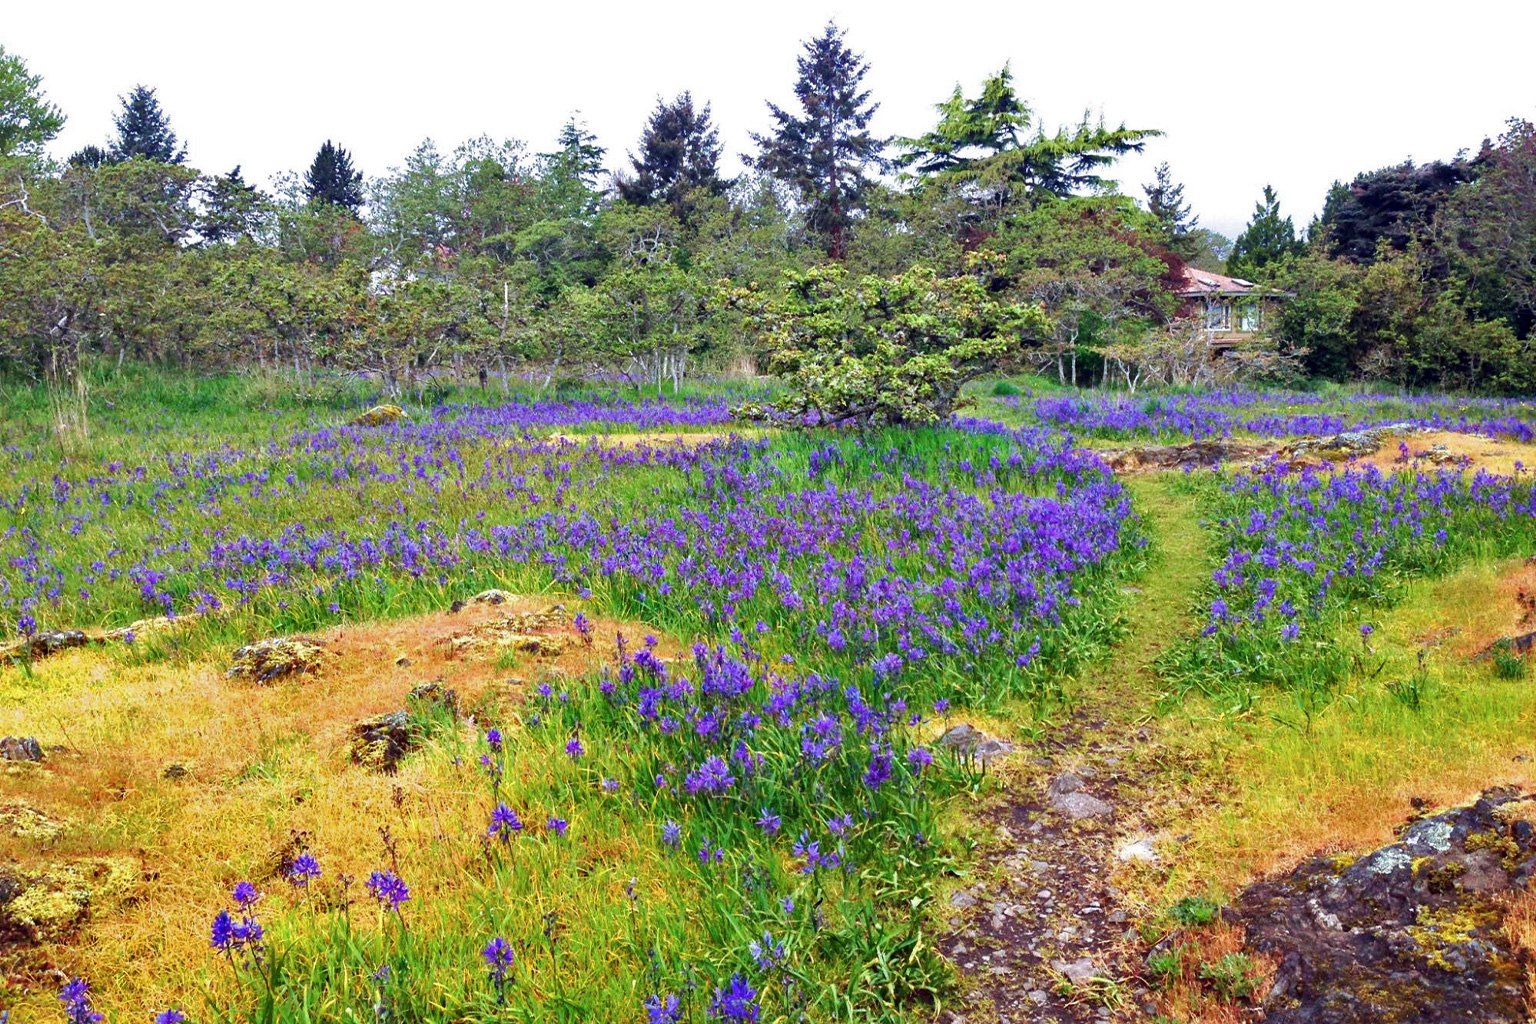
(825, 152)
(1165, 202)
(679, 152)
(144, 130)
(573, 170)
(332, 179)
(1267, 238)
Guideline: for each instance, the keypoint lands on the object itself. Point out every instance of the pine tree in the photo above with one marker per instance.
(90, 156)
(825, 153)
(144, 130)
(1165, 202)
(331, 178)
(573, 170)
(27, 120)
(232, 208)
(1267, 238)
(679, 152)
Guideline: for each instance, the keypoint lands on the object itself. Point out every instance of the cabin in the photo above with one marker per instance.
(1230, 309)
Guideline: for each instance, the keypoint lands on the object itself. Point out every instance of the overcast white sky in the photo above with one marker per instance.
(1293, 93)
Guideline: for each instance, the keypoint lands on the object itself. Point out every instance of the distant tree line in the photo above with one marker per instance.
(491, 259)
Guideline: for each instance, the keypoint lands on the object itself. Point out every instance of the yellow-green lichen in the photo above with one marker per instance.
(64, 893)
(24, 821)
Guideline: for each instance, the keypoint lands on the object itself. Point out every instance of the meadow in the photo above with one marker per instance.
(704, 778)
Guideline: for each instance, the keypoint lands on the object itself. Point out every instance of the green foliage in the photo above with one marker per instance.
(878, 351)
(332, 179)
(28, 121)
(825, 153)
(144, 130)
(1267, 239)
(1234, 976)
(679, 153)
(982, 144)
(1193, 911)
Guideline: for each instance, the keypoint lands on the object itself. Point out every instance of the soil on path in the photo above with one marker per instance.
(1040, 931)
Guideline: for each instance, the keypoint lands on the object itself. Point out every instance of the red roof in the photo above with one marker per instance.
(1208, 282)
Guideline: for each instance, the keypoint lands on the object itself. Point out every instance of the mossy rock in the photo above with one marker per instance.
(50, 900)
(23, 821)
(378, 416)
(1407, 934)
(266, 660)
(380, 743)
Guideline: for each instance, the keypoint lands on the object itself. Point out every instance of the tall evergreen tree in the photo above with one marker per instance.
(1267, 239)
(1165, 202)
(27, 120)
(993, 145)
(826, 152)
(144, 130)
(573, 170)
(231, 208)
(679, 152)
(332, 179)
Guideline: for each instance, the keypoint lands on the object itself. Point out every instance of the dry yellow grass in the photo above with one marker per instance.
(1275, 795)
(261, 763)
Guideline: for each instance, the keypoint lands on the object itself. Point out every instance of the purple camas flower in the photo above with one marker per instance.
(498, 958)
(387, 888)
(76, 997)
(769, 822)
(493, 738)
(558, 826)
(713, 776)
(672, 833)
(1366, 629)
(659, 1010)
(574, 749)
(767, 954)
(26, 625)
(172, 1016)
(504, 823)
(919, 758)
(245, 895)
(304, 869)
(737, 1001)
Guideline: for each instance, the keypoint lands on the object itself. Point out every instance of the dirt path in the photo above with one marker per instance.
(1039, 933)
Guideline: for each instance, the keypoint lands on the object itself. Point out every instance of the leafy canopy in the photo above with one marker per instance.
(877, 351)
(27, 120)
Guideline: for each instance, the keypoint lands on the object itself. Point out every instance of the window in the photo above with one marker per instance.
(1250, 317)
(1218, 316)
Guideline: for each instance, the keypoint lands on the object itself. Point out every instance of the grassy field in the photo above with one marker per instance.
(690, 769)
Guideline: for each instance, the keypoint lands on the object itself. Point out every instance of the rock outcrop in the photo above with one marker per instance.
(1411, 933)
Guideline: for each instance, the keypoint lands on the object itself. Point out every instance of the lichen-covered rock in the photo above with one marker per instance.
(266, 660)
(436, 695)
(40, 903)
(492, 596)
(545, 633)
(40, 645)
(971, 742)
(378, 416)
(380, 743)
(21, 748)
(23, 821)
(1349, 444)
(1408, 934)
(150, 627)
